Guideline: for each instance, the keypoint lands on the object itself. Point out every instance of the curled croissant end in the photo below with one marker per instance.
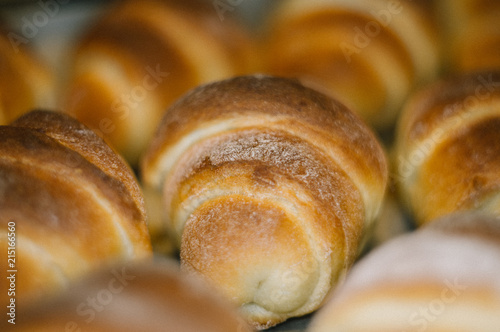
(140, 296)
(69, 201)
(448, 156)
(443, 277)
(26, 84)
(143, 55)
(370, 54)
(267, 187)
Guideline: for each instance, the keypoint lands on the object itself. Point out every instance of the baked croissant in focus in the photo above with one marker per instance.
(153, 297)
(142, 56)
(447, 147)
(73, 203)
(471, 34)
(443, 277)
(26, 83)
(369, 54)
(267, 187)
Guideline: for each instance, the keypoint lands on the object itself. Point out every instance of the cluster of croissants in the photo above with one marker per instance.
(338, 161)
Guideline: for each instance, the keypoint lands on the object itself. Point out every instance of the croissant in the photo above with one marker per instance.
(368, 54)
(447, 153)
(267, 187)
(471, 34)
(443, 277)
(68, 203)
(143, 296)
(26, 82)
(143, 55)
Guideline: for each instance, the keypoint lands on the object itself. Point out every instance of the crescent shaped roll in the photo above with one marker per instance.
(447, 153)
(72, 201)
(267, 187)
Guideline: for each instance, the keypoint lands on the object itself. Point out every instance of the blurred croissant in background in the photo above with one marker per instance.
(369, 54)
(471, 32)
(26, 82)
(140, 296)
(143, 55)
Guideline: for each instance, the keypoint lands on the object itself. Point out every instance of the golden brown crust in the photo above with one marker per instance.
(74, 135)
(447, 156)
(251, 165)
(71, 215)
(473, 158)
(133, 297)
(254, 96)
(449, 97)
(265, 157)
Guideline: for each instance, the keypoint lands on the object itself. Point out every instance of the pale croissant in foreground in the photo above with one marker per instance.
(153, 297)
(267, 187)
(70, 203)
(448, 151)
(444, 277)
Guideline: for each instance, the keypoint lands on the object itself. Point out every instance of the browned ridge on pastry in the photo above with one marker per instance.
(74, 202)
(268, 187)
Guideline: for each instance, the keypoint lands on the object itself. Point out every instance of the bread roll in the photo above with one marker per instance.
(471, 34)
(267, 187)
(367, 53)
(26, 83)
(443, 277)
(447, 154)
(72, 201)
(140, 57)
(149, 297)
